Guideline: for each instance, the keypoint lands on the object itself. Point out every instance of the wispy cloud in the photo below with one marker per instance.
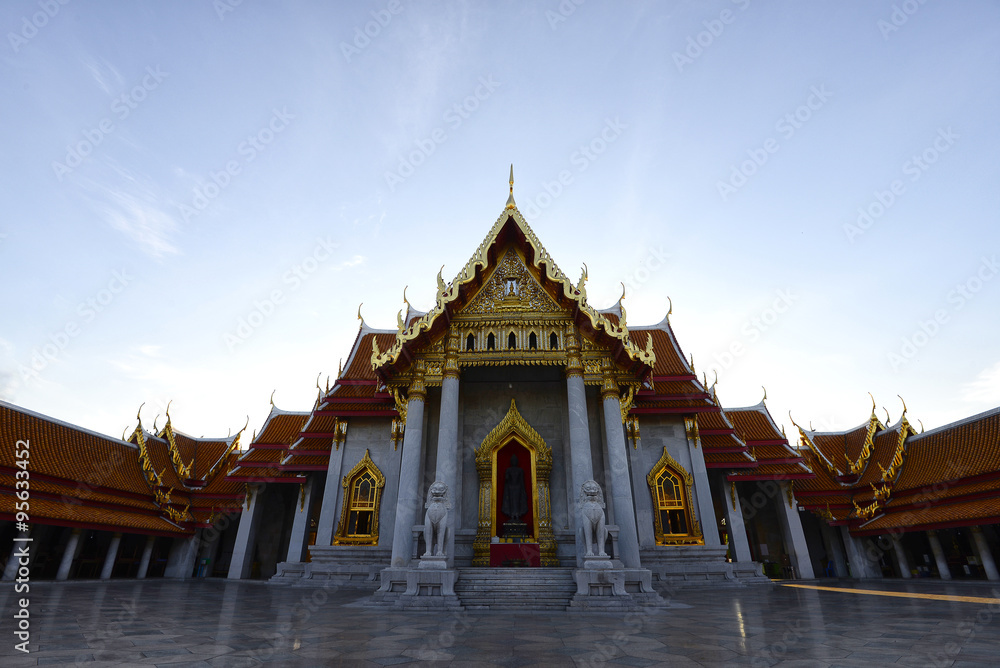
(353, 261)
(985, 388)
(132, 204)
(104, 73)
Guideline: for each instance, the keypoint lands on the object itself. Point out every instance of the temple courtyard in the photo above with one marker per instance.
(240, 623)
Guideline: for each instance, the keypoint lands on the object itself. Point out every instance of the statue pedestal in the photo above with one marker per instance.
(601, 586)
(436, 562)
(515, 530)
(595, 562)
(429, 586)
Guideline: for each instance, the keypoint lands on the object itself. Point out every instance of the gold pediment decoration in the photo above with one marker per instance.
(541, 263)
(511, 288)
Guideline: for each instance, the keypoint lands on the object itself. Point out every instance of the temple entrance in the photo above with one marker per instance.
(514, 518)
(515, 523)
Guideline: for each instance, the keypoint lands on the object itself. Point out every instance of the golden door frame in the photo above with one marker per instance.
(514, 427)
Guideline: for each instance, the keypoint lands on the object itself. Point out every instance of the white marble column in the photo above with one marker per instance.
(621, 483)
(702, 493)
(147, 553)
(942, 563)
(239, 567)
(111, 556)
(446, 466)
(640, 495)
(13, 561)
(985, 556)
(180, 560)
(300, 522)
(795, 538)
(739, 548)
(331, 494)
(581, 461)
(860, 565)
(72, 547)
(408, 501)
(901, 561)
(833, 551)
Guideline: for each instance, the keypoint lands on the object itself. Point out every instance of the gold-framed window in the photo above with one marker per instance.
(673, 518)
(359, 514)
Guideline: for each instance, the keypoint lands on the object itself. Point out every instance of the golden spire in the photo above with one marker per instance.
(510, 199)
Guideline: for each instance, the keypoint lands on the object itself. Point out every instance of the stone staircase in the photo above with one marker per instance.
(515, 588)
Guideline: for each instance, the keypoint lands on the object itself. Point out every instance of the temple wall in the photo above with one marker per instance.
(658, 432)
(372, 434)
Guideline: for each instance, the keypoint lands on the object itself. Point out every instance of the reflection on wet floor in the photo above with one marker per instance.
(221, 623)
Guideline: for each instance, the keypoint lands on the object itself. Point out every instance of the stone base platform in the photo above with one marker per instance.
(613, 588)
(342, 566)
(417, 588)
(698, 566)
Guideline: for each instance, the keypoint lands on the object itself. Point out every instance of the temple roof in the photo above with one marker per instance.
(894, 478)
(82, 478)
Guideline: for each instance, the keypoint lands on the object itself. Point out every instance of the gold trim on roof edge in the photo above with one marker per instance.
(480, 259)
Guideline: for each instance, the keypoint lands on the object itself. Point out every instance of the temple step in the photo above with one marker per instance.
(515, 588)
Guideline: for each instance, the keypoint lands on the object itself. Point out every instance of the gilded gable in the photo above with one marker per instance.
(511, 288)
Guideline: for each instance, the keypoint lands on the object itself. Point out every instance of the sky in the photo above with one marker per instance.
(197, 196)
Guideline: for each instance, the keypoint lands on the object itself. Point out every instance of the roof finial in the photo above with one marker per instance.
(904, 406)
(359, 315)
(765, 394)
(671, 309)
(510, 199)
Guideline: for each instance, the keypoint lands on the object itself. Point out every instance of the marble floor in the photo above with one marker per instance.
(220, 623)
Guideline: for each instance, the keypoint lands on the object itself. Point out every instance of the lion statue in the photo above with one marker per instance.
(591, 504)
(436, 519)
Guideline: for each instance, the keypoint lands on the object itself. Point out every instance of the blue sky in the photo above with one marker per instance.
(814, 185)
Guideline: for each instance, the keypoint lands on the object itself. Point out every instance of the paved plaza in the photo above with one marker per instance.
(238, 623)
